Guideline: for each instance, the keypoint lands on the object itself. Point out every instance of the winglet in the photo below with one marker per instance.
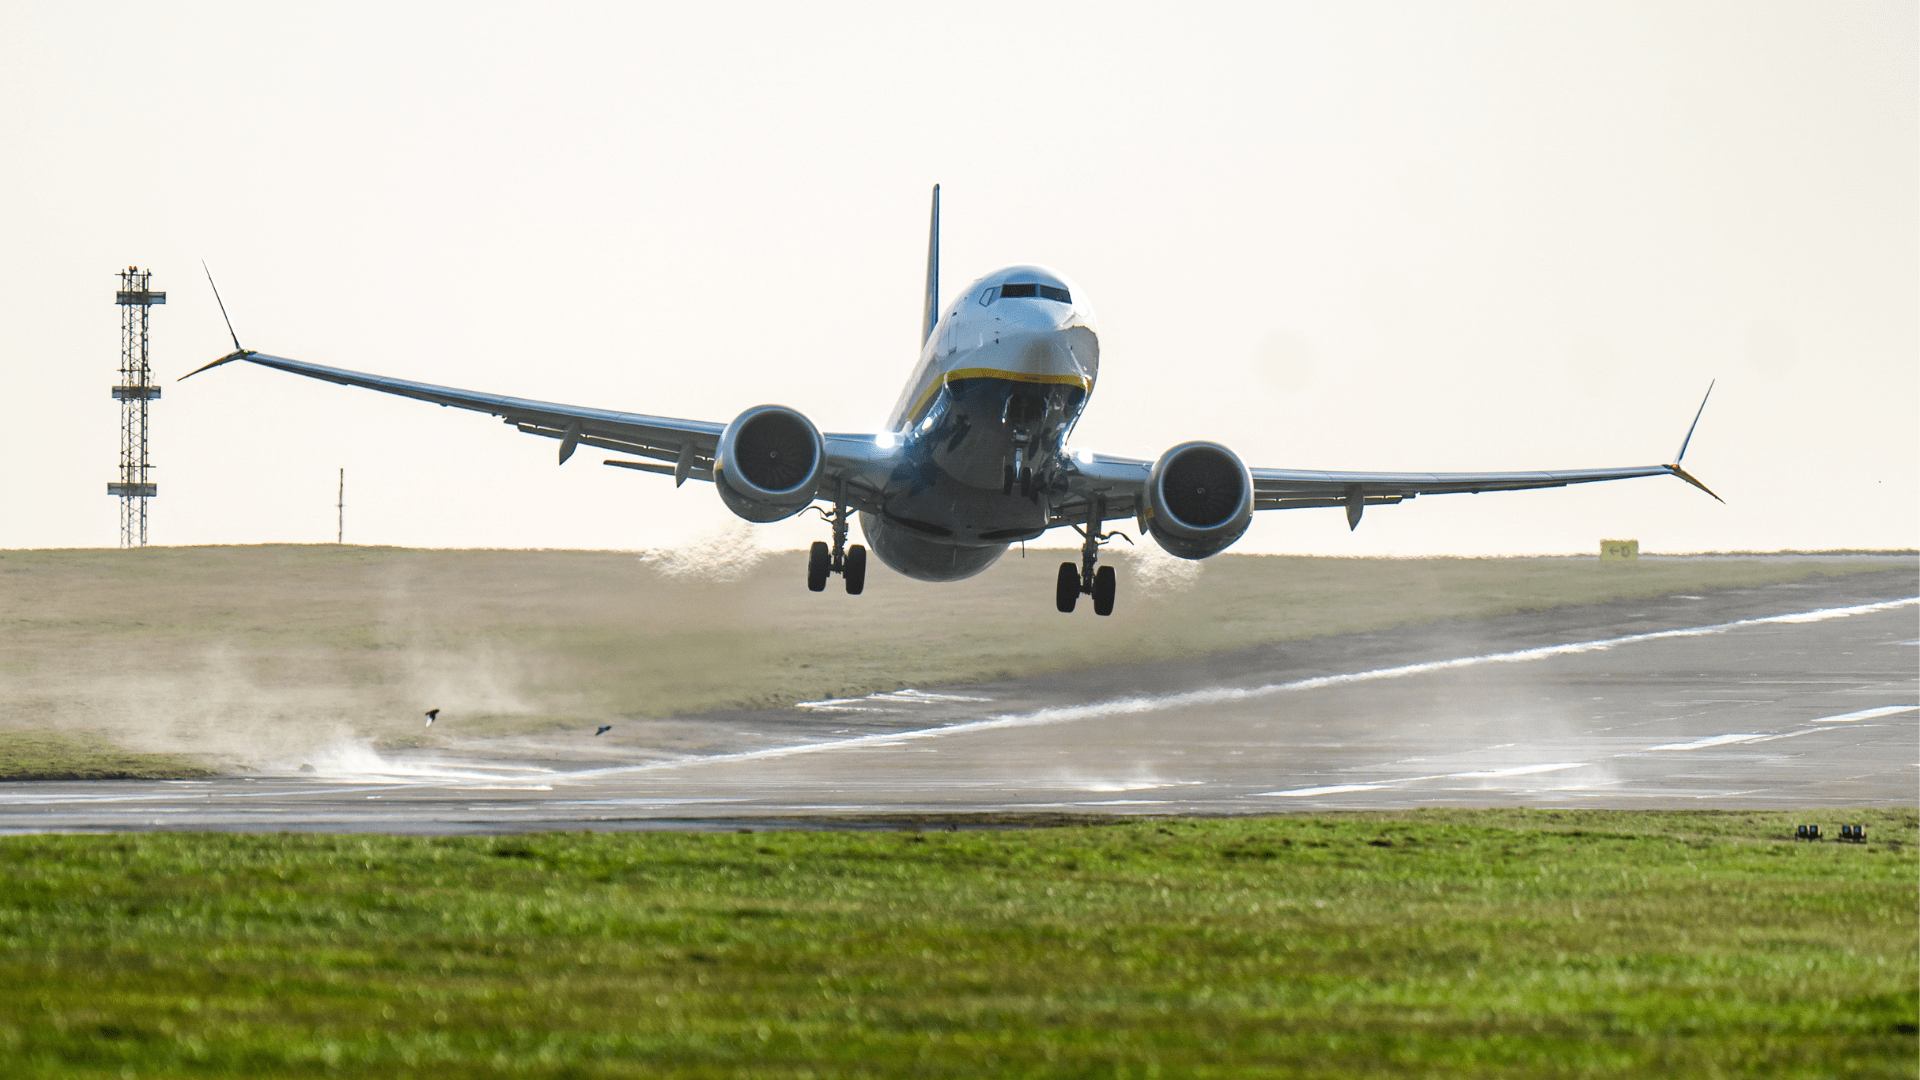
(239, 351)
(1682, 455)
(1676, 470)
(241, 355)
(930, 313)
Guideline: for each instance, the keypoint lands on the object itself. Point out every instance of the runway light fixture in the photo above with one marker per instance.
(1855, 833)
(1809, 832)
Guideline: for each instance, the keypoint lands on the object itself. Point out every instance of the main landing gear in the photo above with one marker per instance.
(1096, 581)
(849, 562)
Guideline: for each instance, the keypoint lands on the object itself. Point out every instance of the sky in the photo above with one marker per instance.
(1331, 235)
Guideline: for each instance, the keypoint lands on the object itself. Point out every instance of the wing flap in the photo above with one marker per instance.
(659, 449)
(1261, 502)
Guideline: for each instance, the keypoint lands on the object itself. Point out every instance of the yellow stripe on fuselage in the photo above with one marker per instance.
(958, 374)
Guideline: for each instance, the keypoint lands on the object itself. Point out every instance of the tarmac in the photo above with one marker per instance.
(1792, 696)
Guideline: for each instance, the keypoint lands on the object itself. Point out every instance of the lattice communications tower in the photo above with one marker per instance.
(135, 390)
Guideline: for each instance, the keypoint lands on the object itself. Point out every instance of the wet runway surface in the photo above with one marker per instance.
(1776, 697)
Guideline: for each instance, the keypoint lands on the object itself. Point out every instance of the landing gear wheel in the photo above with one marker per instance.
(819, 564)
(856, 570)
(1103, 589)
(1006, 480)
(1067, 590)
(1026, 483)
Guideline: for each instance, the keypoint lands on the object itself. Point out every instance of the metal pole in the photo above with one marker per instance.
(135, 486)
(340, 525)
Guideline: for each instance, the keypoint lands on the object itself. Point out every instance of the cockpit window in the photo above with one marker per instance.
(1027, 290)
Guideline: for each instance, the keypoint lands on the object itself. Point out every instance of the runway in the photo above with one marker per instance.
(1777, 697)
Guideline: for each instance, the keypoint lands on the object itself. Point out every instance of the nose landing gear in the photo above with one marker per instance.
(1099, 582)
(1017, 470)
(849, 562)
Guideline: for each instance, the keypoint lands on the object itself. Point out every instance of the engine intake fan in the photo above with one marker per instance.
(768, 463)
(1199, 500)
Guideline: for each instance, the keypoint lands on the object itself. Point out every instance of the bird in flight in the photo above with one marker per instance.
(432, 715)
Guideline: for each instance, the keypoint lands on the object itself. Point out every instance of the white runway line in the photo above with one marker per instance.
(1522, 770)
(1526, 770)
(1717, 740)
(1223, 695)
(1864, 714)
(908, 696)
(1789, 734)
(1375, 785)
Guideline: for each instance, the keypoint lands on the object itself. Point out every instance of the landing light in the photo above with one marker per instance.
(886, 440)
(1083, 455)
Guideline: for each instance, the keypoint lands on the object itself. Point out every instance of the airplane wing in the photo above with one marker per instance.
(1114, 487)
(1122, 483)
(682, 449)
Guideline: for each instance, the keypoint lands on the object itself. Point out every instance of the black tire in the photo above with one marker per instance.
(1066, 590)
(1104, 585)
(856, 571)
(819, 564)
(1026, 482)
(1006, 479)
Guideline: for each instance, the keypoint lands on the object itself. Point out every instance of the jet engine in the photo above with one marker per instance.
(1199, 500)
(768, 463)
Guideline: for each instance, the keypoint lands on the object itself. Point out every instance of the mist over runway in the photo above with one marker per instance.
(1773, 697)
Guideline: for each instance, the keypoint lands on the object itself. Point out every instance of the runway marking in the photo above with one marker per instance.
(1479, 774)
(658, 801)
(1864, 714)
(911, 694)
(1225, 695)
(1789, 734)
(1523, 770)
(908, 696)
(1717, 740)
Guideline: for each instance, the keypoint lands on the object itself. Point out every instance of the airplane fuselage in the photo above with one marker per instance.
(983, 424)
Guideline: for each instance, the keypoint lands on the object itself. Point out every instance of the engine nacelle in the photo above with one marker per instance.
(1199, 500)
(768, 463)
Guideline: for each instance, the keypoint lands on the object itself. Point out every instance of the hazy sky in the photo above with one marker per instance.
(1349, 236)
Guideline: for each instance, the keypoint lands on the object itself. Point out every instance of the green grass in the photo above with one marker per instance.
(1471, 943)
(52, 755)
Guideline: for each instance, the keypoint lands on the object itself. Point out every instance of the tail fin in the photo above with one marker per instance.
(930, 314)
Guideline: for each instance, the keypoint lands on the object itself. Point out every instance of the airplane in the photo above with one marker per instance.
(974, 456)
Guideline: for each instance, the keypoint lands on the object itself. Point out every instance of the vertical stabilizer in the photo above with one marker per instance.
(930, 314)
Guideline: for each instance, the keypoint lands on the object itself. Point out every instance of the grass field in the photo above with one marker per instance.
(1457, 943)
(55, 755)
(240, 654)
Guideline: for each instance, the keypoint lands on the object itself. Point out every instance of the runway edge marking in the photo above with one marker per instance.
(1221, 695)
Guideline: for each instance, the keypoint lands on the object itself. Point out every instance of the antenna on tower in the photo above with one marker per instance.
(136, 388)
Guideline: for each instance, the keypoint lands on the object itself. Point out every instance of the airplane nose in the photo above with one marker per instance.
(1035, 314)
(1049, 352)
